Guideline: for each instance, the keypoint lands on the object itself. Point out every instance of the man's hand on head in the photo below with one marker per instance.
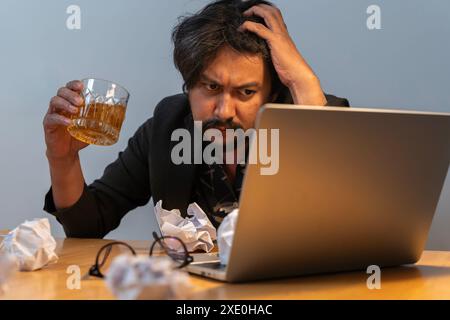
(292, 69)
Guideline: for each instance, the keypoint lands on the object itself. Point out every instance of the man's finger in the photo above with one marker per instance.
(258, 29)
(55, 119)
(270, 18)
(58, 104)
(273, 9)
(71, 96)
(75, 85)
(277, 13)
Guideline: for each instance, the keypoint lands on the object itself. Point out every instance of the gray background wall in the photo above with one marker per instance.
(404, 65)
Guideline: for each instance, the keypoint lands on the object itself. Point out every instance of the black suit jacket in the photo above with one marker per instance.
(143, 170)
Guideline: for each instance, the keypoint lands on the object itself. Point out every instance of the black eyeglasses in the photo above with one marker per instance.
(172, 246)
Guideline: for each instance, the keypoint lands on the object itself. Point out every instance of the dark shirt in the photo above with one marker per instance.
(144, 170)
(215, 193)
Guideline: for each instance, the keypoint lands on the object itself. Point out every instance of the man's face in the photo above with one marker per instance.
(231, 90)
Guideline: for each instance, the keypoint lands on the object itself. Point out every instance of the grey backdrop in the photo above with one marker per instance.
(404, 65)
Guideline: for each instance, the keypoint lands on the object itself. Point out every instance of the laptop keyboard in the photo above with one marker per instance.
(212, 265)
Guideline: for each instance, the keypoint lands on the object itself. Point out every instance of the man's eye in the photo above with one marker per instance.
(248, 92)
(212, 86)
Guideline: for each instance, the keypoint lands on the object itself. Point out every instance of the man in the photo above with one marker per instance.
(234, 57)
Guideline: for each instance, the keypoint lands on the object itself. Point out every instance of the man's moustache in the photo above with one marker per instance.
(221, 125)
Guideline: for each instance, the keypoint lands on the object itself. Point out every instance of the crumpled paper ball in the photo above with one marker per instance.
(8, 267)
(226, 235)
(146, 278)
(32, 244)
(196, 231)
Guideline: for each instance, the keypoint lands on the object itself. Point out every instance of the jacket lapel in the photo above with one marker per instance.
(180, 178)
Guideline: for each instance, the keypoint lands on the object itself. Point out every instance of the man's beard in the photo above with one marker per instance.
(220, 124)
(227, 144)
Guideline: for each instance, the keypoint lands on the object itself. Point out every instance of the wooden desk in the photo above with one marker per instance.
(429, 279)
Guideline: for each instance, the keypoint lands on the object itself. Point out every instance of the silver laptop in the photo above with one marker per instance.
(355, 187)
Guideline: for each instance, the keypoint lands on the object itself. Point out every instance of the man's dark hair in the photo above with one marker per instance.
(197, 39)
